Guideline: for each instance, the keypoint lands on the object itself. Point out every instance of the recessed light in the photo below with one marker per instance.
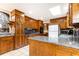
(30, 12)
(0, 25)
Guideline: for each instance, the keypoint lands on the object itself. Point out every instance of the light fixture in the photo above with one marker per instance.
(0, 13)
(30, 12)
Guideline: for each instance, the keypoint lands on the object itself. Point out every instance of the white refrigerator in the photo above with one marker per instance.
(53, 32)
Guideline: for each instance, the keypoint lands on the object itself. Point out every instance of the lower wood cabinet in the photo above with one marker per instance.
(20, 41)
(6, 44)
(39, 48)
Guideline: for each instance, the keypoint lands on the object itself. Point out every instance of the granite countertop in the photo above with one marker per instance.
(64, 41)
(3, 34)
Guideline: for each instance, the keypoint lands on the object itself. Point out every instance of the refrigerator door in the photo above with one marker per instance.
(53, 32)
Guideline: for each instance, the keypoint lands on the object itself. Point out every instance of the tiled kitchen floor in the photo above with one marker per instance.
(19, 52)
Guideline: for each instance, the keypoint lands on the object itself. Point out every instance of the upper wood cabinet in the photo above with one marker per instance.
(75, 8)
(62, 22)
(33, 23)
(74, 12)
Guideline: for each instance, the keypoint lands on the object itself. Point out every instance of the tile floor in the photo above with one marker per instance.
(19, 52)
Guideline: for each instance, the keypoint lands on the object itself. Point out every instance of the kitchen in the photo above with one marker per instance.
(57, 36)
(64, 43)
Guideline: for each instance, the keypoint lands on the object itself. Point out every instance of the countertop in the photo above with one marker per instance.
(4, 34)
(64, 40)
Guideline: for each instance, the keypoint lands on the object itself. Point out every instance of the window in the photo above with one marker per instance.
(59, 10)
(4, 19)
(55, 10)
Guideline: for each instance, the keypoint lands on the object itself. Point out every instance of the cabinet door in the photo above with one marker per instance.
(19, 35)
(32, 45)
(74, 12)
(6, 44)
(75, 8)
(46, 49)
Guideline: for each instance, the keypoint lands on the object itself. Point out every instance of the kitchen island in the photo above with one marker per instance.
(42, 46)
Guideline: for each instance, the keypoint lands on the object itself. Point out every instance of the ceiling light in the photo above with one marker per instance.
(0, 25)
(30, 12)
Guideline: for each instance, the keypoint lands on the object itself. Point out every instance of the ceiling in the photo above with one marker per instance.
(39, 11)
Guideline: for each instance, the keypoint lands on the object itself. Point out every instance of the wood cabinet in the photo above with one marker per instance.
(40, 24)
(73, 12)
(33, 23)
(20, 39)
(6, 44)
(75, 8)
(19, 32)
(62, 22)
(39, 48)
